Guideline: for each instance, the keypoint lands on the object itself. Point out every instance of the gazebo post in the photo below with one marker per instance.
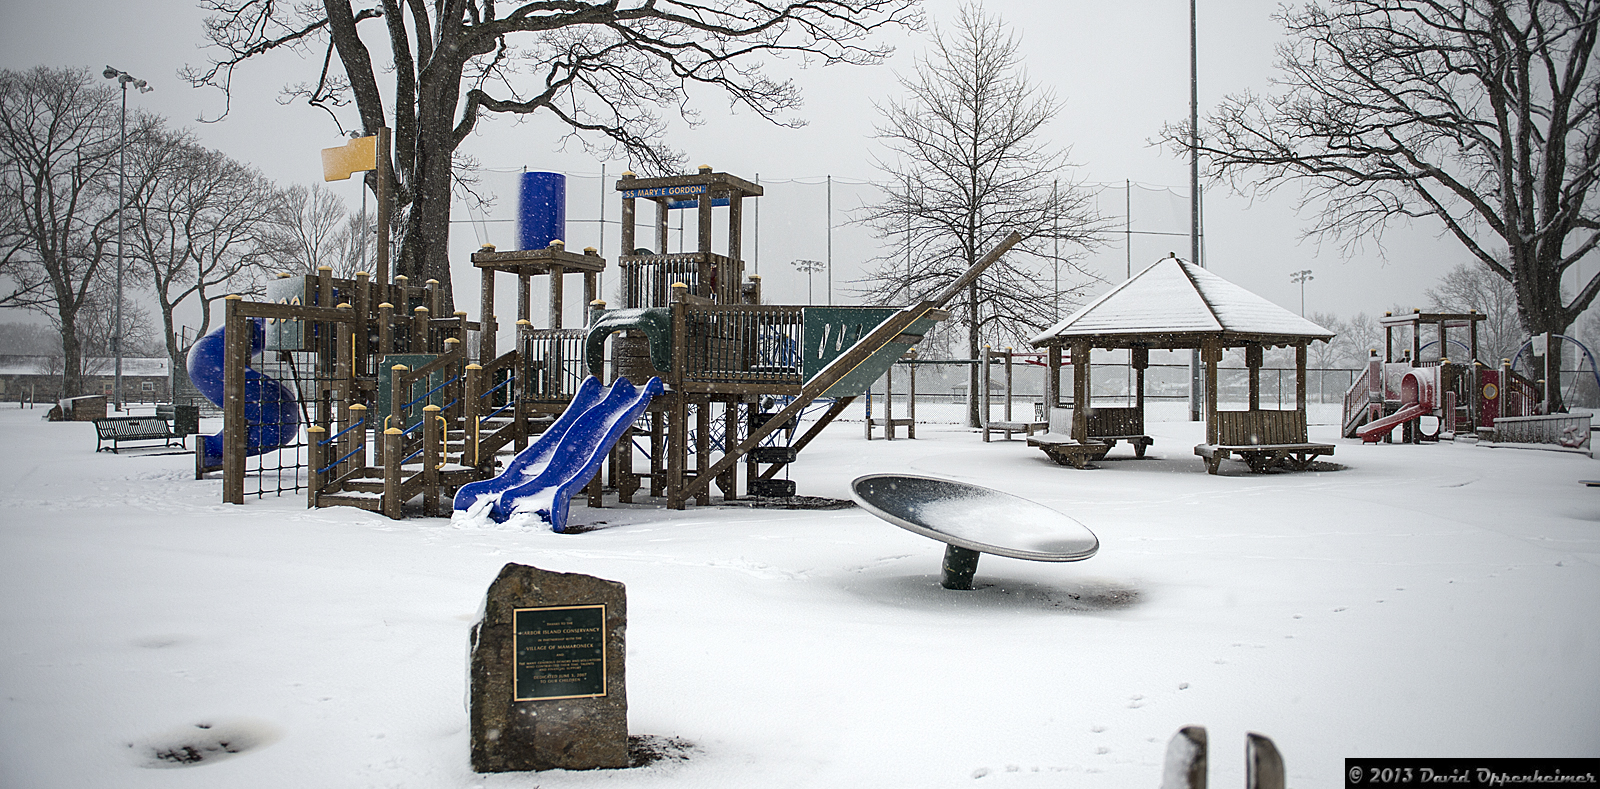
(1139, 357)
(1052, 380)
(1211, 353)
(1252, 360)
(1300, 382)
(1080, 391)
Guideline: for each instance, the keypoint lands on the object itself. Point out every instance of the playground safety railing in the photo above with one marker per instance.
(743, 344)
(647, 279)
(553, 361)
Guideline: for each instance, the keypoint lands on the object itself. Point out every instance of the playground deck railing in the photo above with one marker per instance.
(647, 279)
(553, 364)
(743, 344)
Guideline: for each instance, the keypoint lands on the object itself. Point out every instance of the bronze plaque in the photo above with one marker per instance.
(560, 652)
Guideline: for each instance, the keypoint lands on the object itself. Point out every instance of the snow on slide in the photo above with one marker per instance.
(542, 478)
(1416, 399)
(270, 408)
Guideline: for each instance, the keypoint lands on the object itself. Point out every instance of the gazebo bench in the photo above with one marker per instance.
(1262, 457)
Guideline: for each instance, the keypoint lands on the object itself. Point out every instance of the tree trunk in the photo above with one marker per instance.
(72, 355)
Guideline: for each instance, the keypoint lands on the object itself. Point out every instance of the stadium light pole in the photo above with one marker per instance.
(1299, 278)
(810, 267)
(123, 79)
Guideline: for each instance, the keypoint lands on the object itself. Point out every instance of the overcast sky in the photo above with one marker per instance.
(1120, 69)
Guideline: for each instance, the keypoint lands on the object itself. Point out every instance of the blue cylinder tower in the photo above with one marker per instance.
(541, 210)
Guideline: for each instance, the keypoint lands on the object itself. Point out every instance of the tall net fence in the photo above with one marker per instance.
(817, 219)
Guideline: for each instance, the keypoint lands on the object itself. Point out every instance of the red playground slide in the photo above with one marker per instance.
(1417, 398)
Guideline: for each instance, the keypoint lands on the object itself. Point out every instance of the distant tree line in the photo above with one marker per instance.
(196, 224)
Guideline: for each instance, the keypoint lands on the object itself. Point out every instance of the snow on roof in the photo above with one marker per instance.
(153, 367)
(1174, 297)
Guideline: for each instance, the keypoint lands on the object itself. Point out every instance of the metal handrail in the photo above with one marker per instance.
(352, 452)
(427, 394)
(335, 436)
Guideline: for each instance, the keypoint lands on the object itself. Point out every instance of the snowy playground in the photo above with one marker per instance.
(1404, 600)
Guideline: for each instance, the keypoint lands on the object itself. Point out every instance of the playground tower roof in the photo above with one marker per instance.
(1173, 304)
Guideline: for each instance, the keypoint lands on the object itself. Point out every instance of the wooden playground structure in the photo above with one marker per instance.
(396, 405)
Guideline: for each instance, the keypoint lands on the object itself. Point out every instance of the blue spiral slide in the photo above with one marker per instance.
(542, 478)
(270, 408)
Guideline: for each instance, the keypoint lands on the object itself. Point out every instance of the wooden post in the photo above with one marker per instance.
(315, 453)
(677, 450)
(435, 298)
(385, 329)
(911, 404)
(702, 455)
(1300, 382)
(729, 480)
(591, 279)
(486, 327)
(1416, 337)
(1052, 379)
(236, 355)
(470, 414)
(1139, 358)
(394, 446)
(557, 290)
(402, 293)
(983, 393)
(432, 455)
(888, 404)
(398, 395)
(524, 295)
(1009, 371)
(358, 437)
(663, 231)
(363, 319)
(419, 331)
(1252, 360)
(1211, 353)
(1080, 391)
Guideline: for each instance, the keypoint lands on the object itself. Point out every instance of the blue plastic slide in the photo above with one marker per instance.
(543, 477)
(270, 408)
(474, 497)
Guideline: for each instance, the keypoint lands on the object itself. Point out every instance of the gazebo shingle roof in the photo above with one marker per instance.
(1173, 304)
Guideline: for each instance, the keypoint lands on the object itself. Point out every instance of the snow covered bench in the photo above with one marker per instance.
(1263, 439)
(1106, 427)
(117, 429)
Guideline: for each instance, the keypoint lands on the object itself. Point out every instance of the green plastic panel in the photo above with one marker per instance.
(830, 331)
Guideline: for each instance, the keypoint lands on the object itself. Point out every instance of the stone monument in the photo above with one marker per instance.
(548, 689)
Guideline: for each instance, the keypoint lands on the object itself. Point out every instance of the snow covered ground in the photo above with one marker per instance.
(1424, 601)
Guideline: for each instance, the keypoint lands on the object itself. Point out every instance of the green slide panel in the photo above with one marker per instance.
(830, 331)
(386, 375)
(655, 322)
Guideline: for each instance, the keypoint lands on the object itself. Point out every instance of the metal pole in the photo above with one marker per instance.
(830, 241)
(122, 176)
(122, 78)
(757, 221)
(1195, 393)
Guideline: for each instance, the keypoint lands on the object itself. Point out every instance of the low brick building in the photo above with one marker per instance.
(38, 378)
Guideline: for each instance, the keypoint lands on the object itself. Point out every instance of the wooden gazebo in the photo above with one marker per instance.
(1175, 305)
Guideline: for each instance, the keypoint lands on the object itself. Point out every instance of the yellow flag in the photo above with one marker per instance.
(359, 155)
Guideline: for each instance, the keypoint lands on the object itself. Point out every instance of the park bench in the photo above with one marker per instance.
(171, 423)
(1263, 439)
(1106, 427)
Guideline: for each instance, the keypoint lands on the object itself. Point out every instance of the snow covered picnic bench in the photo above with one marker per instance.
(1263, 439)
(1106, 426)
(171, 423)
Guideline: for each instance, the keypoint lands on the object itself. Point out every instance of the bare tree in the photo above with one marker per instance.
(1470, 286)
(1482, 115)
(198, 226)
(306, 231)
(970, 166)
(58, 144)
(601, 67)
